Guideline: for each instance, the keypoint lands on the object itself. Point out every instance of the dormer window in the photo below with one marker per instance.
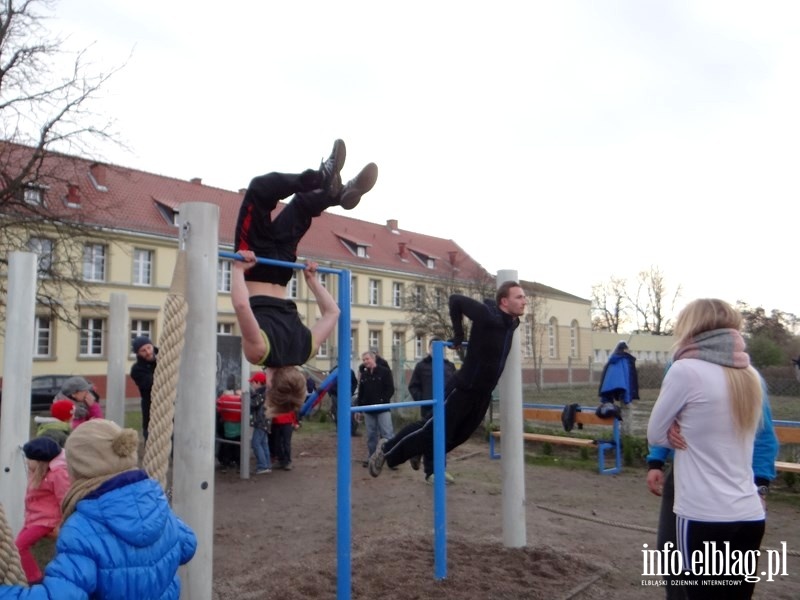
(431, 263)
(425, 259)
(356, 247)
(33, 195)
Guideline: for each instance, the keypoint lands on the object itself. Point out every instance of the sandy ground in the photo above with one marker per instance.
(275, 534)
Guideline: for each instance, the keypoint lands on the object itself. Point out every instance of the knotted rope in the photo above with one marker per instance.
(165, 379)
(11, 572)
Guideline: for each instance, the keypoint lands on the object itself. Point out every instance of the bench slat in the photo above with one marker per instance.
(553, 439)
(787, 466)
(788, 435)
(549, 414)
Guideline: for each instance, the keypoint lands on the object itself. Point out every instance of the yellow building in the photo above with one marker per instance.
(128, 242)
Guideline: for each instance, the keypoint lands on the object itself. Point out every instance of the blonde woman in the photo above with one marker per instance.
(715, 397)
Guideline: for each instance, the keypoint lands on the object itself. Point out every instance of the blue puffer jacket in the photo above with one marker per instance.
(122, 541)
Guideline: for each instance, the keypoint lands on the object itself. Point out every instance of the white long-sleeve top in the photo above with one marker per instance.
(714, 475)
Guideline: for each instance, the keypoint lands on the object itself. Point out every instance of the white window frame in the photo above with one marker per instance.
(397, 294)
(353, 289)
(528, 348)
(33, 195)
(324, 349)
(42, 337)
(397, 341)
(374, 292)
(43, 248)
(323, 280)
(141, 327)
(419, 346)
(92, 337)
(224, 275)
(224, 328)
(552, 338)
(143, 266)
(374, 339)
(94, 260)
(292, 287)
(573, 339)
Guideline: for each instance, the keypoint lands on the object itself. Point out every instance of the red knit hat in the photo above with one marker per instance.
(62, 409)
(259, 377)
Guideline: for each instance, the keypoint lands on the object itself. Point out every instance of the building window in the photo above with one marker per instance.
(375, 339)
(142, 267)
(94, 262)
(43, 337)
(141, 327)
(224, 269)
(32, 195)
(397, 342)
(224, 328)
(438, 297)
(419, 296)
(291, 287)
(573, 339)
(92, 337)
(528, 349)
(397, 294)
(353, 290)
(419, 347)
(552, 338)
(43, 248)
(374, 292)
(353, 348)
(323, 350)
(323, 280)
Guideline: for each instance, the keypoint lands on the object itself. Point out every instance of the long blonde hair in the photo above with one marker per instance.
(744, 385)
(37, 471)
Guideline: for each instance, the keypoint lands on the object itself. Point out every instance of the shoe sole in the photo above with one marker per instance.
(377, 459)
(358, 186)
(415, 463)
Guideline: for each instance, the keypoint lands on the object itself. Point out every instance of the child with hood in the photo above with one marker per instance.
(119, 537)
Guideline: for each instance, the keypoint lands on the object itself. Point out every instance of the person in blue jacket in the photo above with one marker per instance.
(119, 537)
(619, 380)
(661, 483)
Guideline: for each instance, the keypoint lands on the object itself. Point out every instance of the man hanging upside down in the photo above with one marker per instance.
(273, 334)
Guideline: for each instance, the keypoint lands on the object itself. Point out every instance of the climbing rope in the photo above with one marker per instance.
(165, 379)
(11, 572)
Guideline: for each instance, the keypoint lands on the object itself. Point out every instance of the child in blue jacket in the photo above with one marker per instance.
(119, 538)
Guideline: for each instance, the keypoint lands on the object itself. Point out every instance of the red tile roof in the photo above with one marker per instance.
(128, 200)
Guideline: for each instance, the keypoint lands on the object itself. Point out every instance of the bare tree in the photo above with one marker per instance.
(609, 305)
(427, 302)
(43, 110)
(536, 322)
(652, 303)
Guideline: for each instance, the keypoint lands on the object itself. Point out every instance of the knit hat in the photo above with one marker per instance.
(62, 409)
(140, 341)
(75, 384)
(259, 378)
(44, 449)
(100, 448)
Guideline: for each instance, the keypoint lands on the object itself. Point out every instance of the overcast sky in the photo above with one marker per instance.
(569, 140)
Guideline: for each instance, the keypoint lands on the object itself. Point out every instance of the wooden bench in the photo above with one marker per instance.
(585, 416)
(788, 432)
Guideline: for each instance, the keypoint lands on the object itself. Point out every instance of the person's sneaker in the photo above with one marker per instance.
(358, 186)
(448, 479)
(287, 467)
(261, 471)
(331, 179)
(377, 459)
(415, 461)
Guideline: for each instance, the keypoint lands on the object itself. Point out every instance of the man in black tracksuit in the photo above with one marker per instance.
(470, 391)
(142, 373)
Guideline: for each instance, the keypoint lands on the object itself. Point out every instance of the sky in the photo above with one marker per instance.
(572, 141)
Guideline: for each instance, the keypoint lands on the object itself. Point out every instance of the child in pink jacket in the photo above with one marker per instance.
(48, 482)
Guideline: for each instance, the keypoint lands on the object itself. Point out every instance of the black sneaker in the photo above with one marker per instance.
(358, 186)
(331, 179)
(415, 461)
(377, 459)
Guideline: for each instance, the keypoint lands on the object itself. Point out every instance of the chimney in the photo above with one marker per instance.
(196, 181)
(452, 254)
(392, 225)
(98, 173)
(401, 249)
(73, 195)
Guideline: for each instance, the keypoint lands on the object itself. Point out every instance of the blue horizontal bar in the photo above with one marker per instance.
(391, 405)
(785, 423)
(277, 263)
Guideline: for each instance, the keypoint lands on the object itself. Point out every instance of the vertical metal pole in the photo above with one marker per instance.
(193, 448)
(439, 500)
(343, 414)
(246, 436)
(118, 347)
(17, 371)
(512, 448)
